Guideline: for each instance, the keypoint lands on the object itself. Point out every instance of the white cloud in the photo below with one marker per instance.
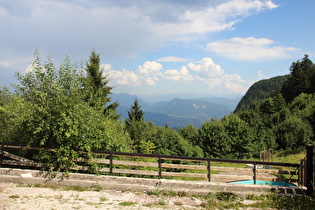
(215, 77)
(220, 17)
(181, 75)
(150, 68)
(151, 80)
(250, 49)
(173, 59)
(235, 84)
(123, 77)
(121, 27)
(204, 72)
(117, 29)
(146, 74)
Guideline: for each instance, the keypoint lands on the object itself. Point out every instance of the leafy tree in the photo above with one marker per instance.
(169, 142)
(261, 128)
(272, 105)
(60, 118)
(190, 133)
(5, 113)
(303, 106)
(215, 141)
(96, 87)
(141, 134)
(240, 136)
(293, 134)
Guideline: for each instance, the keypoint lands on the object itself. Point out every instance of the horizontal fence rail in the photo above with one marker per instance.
(158, 166)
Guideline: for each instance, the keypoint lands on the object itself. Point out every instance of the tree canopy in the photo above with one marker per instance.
(67, 108)
(54, 113)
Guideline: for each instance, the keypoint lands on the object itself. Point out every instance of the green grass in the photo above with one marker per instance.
(232, 165)
(290, 158)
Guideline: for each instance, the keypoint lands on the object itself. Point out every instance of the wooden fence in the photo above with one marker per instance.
(307, 170)
(159, 166)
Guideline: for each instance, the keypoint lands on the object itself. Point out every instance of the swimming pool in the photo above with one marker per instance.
(264, 183)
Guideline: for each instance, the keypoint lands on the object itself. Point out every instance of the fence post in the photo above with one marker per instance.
(300, 173)
(209, 171)
(160, 167)
(1, 155)
(255, 172)
(310, 169)
(111, 163)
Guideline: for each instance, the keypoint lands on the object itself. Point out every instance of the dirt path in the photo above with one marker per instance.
(14, 197)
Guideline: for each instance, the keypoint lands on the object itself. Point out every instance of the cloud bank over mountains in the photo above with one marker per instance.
(204, 71)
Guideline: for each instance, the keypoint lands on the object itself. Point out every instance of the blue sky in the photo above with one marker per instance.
(197, 47)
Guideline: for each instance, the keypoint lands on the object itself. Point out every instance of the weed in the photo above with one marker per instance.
(161, 202)
(182, 194)
(24, 185)
(250, 196)
(138, 193)
(97, 188)
(75, 188)
(102, 199)
(155, 192)
(14, 196)
(59, 196)
(37, 185)
(90, 203)
(177, 203)
(148, 205)
(39, 196)
(169, 193)
(127, 203)
(226, 196)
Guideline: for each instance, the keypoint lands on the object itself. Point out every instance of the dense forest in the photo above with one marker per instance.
(67, 108)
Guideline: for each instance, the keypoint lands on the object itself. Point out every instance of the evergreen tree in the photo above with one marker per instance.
(301, 79)
(135, 114)
(96, 87)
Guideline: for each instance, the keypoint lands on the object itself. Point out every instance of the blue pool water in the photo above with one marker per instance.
(264, 183)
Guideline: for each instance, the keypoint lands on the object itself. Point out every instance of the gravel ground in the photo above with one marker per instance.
(14, 197)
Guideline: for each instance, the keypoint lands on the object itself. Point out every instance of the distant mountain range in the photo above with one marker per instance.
(178, 112)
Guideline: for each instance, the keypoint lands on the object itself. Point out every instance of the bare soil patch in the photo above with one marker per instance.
(13, 197)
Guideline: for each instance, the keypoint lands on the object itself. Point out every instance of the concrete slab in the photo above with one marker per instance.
(10, 175)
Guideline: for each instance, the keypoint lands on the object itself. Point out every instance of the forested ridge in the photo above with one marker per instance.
(69, 108)
(261, 90)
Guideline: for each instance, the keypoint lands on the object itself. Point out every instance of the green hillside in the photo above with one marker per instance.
(261, 90)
